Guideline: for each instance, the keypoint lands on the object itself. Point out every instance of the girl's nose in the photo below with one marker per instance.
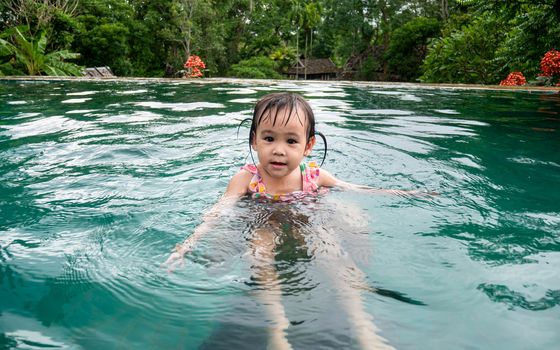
(278, 151)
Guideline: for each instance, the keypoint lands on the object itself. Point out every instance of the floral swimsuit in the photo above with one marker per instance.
(309, 176)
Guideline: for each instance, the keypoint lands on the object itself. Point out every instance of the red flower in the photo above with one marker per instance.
(514, 79)
(550, 63)
(194, 65)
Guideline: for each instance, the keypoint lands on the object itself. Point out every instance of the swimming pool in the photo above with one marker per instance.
(99, 180)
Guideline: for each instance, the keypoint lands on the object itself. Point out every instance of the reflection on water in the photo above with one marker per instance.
(99, 180)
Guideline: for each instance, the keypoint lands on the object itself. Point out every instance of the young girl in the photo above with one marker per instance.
(283, 133)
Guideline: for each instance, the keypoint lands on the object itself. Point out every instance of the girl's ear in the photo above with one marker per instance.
(253, 140)
(309, 146)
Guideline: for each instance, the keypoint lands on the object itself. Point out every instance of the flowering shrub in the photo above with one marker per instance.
(194, 65)
(514, 79)
(550, 63)
(550, 68)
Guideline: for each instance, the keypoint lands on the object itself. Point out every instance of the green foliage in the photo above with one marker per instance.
(466, 55)
(368, 69)
(7, 69)
(6, 16)
(284, 57)
(407, 48)
(260, 67)
(61, 30)
(104, 44)
(480, 42)
(270, 25)
(345, 30)
(29, 55)
(103, 35)
(533, 33)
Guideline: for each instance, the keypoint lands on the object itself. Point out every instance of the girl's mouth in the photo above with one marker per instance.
(277, 164)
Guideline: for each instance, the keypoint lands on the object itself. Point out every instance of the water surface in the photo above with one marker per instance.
(99, 180)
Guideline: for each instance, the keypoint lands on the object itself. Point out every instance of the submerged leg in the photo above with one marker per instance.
(270, 293)
(348, 288)
(348, 281)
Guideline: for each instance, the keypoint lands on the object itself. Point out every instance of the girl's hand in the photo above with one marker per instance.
(405, 193)
(424, 193)
(414, 193)
(177, 257)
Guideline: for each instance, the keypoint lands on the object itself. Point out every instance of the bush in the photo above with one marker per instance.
(284, 57)
(408, 47)
(466, 55)
(104, 44)
(369, 69)
(514, 79)
(28, 54)
(533, 33)
(259, 67)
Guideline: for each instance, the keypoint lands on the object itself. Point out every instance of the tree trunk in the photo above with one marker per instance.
(186, 26)
(311, 44)
(385, 21)
(297, 53)
(305, 54)
(444, 9)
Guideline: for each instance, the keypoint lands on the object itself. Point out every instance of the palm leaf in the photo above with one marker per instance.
(6, 48)
(62, 55)
(41, 45)
(60, 68)
(25, 53)
(8, 69)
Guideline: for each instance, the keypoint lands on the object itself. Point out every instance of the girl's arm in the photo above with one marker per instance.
(237, 187)
(328, 180)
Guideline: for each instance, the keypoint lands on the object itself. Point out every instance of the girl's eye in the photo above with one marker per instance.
(292, 141)
(268, 138)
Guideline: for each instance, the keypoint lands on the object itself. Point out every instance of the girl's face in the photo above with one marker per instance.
(280, 147)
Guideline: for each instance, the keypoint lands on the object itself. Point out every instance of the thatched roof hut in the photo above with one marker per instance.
(314, 68)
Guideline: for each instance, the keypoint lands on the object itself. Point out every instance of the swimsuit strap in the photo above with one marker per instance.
(310, 176)
(256, 185)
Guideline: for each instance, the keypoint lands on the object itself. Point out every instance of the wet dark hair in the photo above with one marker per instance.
(281, 107)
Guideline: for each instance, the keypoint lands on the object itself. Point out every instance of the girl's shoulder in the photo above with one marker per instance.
(245, 173)
(239, 183)
(326, 179)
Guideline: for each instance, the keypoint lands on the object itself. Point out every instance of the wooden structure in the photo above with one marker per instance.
(314, 69)
(98, 72)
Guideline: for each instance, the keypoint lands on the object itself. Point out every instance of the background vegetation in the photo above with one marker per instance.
(458, 41)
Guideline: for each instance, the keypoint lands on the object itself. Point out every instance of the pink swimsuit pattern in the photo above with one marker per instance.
(309, 176)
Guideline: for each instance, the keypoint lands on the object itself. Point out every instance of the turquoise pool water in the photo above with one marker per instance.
(99, 180)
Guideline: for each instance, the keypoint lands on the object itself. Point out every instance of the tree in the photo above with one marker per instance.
(408, 46)
(373, 39)
(103, 36)
(517, 33)
(36, 15)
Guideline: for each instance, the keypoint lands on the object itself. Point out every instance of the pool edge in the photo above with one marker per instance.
(273, 81)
